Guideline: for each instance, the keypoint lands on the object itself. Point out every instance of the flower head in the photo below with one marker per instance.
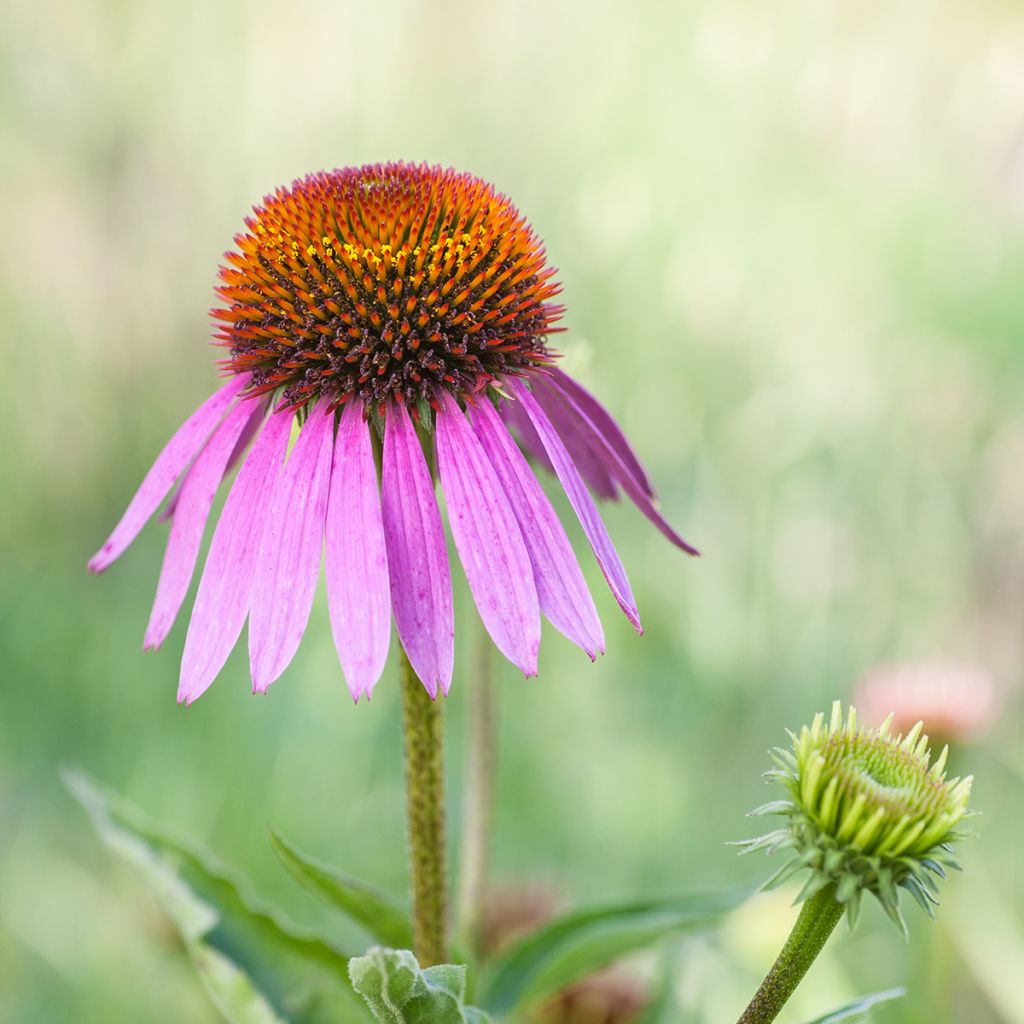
(868, 811)
(385, 282)
(407, 307)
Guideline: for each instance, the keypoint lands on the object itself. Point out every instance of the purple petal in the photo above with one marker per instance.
(583, 505)
(421, 583)
(512, 413)
(197, 494)
(488, 540)
(252, 428)
(222, 601)
(358, 592)
(561, 589)
(288, 562)
(577, 441)
(169, 465)
(621, 471)
(608, 428)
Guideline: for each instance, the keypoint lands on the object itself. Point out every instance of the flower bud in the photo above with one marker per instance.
(867, 811)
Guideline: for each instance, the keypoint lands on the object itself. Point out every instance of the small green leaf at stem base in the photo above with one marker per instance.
(398, 991)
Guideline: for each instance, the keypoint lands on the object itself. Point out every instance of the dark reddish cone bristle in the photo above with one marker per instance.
(389, 280)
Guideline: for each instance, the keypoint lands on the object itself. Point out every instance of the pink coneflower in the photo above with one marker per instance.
(956, 702)
(405, 308)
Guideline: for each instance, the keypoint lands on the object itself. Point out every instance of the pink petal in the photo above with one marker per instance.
(169, 465)
(288, 562)
(488, 540)
(608, 428)
(577, 443)
(513, 415)
(358, 592)
(222, 601)
(252, 428)
(197, 494)
(421, 583)
(561, 589)
(583, 505)
(612, 457)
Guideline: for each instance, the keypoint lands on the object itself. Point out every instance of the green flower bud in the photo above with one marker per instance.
(867, 811)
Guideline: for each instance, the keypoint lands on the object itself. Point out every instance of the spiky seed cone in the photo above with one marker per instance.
(867, 811)
(389, 281)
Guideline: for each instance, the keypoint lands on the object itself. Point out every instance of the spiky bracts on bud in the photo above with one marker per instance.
(385, 281)
(867, 811)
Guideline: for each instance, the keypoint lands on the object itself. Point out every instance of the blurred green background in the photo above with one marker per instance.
(791, 238)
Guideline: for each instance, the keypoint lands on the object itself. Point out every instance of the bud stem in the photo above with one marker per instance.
(424, 799)
(819, 915)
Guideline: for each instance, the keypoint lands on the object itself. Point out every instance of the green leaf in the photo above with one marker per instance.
(578, 944)
(371, 909)
(859, 1007)
(398, 992)
(255, 965)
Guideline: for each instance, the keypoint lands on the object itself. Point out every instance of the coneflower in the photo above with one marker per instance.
(407, 309)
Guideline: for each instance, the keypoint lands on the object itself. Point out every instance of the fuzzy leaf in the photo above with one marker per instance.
(859, 1007)
(255, 965)
(374, 911)
(577, 944)
(399, 992)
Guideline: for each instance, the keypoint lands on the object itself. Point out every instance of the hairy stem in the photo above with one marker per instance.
(478, 794)
(424, 799)
(819, 915)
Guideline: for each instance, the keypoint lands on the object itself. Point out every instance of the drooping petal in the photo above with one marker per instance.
(620, 470)
(488, 539)
(561, 588)
(583, 505)
(222, 600)
(514, 416)
(421, 583)
(197, 494)
(251, 429)
(288, 562)
(358, 591)
(167, 467)
(609, 429)
(577, 443)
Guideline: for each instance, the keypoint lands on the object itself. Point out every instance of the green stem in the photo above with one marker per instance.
(424, 799)
(819, 915)
(477, 795)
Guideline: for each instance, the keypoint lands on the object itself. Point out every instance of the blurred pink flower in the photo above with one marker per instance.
(956, 702)
(411, 303)
(515, 911)
(612, 996)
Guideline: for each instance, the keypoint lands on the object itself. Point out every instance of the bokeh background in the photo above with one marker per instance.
(791, 238)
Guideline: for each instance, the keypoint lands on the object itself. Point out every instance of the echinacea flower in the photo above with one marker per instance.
(868, 811)
(403, 308)
(956, 702)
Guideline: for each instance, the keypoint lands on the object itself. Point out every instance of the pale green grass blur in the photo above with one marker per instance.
(792, 243)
